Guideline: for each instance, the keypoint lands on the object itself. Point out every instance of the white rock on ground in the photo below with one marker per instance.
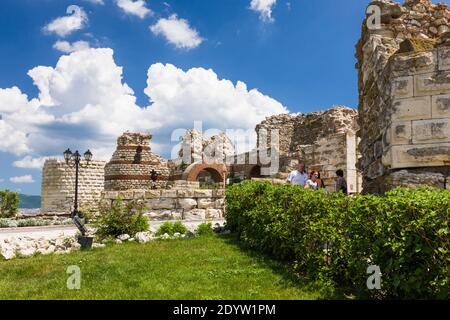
(123, 237)
(165, 236)
(142, 237)
(27, 247)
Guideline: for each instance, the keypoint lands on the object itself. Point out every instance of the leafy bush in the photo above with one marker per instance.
(121, 218)
(405, 233)
(8, 223)
(171, 228)
(205, 229)
(9, 203)
(90, 213)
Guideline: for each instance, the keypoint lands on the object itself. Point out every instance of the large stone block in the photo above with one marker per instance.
(195, 214)
(111, 194)
(220, 203)
(161, 203)
(213, 214)
(430, 131)
(139, 194)
(169, 193)
(126, 195)
(400, 133)
(149, 194)
(185, 193)
(187, 203)
(411, 64)
(203, 193)
(412, 109)
(432, 83)
(205, 203)
(424, 155)
(157, 215)
(404, 178)
(403, 87)
(440, 106)
(444, 58)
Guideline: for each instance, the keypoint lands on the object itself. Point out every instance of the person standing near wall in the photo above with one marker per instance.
(298, 177)
(313, 181)
(320, 181)
(341, 183)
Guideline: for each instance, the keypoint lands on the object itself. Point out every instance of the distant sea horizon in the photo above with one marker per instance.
(29, 201)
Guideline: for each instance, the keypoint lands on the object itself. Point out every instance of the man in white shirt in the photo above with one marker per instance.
(298, 177)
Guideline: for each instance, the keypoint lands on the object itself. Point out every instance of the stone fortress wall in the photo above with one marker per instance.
(186, 201)
(58, 186)
(404, 97)
(325, 141)
(400, 135)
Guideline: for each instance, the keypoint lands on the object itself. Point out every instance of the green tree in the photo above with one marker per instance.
(9, 203)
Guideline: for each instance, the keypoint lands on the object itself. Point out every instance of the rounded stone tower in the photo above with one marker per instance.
(132, 163)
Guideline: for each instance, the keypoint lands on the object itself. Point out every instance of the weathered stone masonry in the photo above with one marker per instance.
(176, 204)
(132, 163)
(404, 97)
(58, 186)
(324, 141)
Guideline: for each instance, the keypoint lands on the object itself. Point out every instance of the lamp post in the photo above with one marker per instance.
(73, 160)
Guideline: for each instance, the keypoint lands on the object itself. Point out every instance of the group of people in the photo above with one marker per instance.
(313, 181)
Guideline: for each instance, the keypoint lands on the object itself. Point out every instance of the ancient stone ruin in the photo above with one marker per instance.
(404, 97)
(202, 158)
(324, 141)
(183, 202)
(58, 186)
(132, 163)
(400, 135)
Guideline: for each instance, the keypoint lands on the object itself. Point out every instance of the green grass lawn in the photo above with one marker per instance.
(199, 268)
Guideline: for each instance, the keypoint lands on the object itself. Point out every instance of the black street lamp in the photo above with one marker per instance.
(73, 160)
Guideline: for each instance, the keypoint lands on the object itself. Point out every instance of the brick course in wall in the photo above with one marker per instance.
(132, 163)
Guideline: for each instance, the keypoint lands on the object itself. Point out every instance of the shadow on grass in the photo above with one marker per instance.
(283, 269)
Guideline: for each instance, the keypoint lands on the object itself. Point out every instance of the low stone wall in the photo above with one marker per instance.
(175, 204)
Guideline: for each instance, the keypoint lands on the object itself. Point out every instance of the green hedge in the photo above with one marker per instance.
(405, 233)
(9, 203)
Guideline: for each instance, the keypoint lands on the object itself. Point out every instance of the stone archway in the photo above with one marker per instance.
(217, 172)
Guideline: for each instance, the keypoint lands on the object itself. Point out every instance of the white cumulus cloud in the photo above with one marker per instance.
(264, 8)
(134, 7)
(177, 32)
(181, 97)
(64, 26)
(29, 162)
(84, 103)
(67, 47)
(22, 179)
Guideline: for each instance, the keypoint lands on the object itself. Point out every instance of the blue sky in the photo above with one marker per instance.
(300, 58)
